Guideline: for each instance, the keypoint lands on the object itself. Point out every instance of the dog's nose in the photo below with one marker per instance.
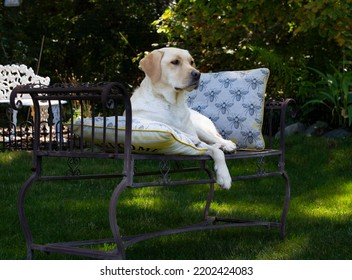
(195, 75)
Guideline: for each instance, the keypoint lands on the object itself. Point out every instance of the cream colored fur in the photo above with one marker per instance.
(170, 74)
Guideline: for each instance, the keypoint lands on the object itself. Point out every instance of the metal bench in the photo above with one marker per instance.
(107, 101)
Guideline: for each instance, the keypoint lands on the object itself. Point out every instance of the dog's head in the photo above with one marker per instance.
(171, 69)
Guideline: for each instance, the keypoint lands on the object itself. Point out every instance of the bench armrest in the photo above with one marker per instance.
(275, 114)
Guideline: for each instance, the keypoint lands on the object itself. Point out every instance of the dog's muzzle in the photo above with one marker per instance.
(195, 77)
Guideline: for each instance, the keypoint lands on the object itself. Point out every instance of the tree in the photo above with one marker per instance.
(94, 39)
(285, 36)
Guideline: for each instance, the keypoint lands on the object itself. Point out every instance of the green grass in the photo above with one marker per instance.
(319, 220)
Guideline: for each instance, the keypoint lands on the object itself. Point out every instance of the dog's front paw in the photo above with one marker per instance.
(224, 183)
(224, 180)
(228, 146)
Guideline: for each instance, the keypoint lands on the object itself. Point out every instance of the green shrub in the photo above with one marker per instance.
(334, 91)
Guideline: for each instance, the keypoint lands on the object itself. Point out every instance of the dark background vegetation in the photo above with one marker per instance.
(307, 45)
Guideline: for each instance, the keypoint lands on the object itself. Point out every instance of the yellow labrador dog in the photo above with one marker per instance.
(170, 74)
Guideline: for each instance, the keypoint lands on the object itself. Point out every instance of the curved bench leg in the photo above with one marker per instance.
(21, 213)
(209, 200)
(211, 191)
(113, 219)
(286, 205)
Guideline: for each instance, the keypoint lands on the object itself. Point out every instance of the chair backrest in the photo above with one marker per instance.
(15, 75)
(234, 101)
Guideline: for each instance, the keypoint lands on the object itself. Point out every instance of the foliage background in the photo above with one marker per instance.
(91, 40)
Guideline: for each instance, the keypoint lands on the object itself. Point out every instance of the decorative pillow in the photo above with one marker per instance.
(147, 136)
(234, 101)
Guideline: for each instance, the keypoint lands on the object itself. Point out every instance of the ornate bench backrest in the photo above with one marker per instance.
(67, 133)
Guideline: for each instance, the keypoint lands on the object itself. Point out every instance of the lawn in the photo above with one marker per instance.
(319, 220)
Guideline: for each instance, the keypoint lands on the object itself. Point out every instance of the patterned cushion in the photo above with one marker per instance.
(147, 136)
(234, 101)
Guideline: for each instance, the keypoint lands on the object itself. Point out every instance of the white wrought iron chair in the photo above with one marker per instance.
(14, 75)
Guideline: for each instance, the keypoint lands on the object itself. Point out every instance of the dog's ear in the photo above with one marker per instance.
(151, 65)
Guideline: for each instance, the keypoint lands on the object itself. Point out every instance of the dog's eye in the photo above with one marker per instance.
(192, 62)
(175, 62)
